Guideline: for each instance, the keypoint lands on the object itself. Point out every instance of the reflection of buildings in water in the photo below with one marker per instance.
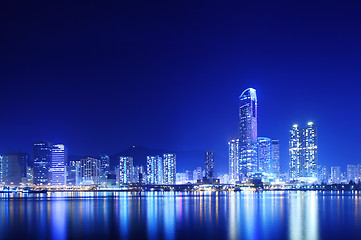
(124, 214)
(58, 220)
(303, 216)
(169, 215)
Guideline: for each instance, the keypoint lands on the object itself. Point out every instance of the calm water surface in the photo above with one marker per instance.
(201, 215)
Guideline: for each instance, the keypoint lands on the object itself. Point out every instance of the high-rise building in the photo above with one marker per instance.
(351, 173)
(73, 173)
(303, 152)
(154, 170)
(125, 170)
(169, 168)
(42, 162)
(59, 156)
(358, 173)
(90, 171)
(295, 153)
(336, 174)
(233, 148)
(247, 133)
(275, 158)
(209, 165)
(309, 150)
(14, 168)
(139, 175)
(105, 167)
(197, 174)
(264, 155)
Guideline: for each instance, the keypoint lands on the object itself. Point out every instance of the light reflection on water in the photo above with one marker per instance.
(168, 215)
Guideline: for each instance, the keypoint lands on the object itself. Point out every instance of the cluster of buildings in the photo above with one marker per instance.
(251, 156)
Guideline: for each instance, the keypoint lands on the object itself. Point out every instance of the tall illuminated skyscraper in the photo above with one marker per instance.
(42, 161)
(295, 153)
(154, 170)
(169, 168)
(247, 133)
(209, 165)
(303, 152)
(90, 169)
(264, 155)
(13, 168)
(275, 158)
(233, 154)
(309, 150)
(125, 170)
(59, 156)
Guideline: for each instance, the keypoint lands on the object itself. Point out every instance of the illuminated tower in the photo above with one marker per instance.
(309, 150)
(42, 160)
(169, 168)
(59, 157)
(264, 155)
(233, 148)
(90, 171)
(275, 158)
(154, 170)
(295, 153)
(247, 133)
(209, 164)
(125, 170)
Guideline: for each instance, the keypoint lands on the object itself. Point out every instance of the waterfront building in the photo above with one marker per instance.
(169, 168)
(322, 174)
(29, 175)
(90, 169)
(336, 174)
(275, 159)
(125, 170)
(247, 133)
(295, 153)
(264, 155)
(351, 173)
(139, 175)
(105, 167)
(309, 150)
(42, 162)
(233, 156)
(209, 165)
(14, 168)
(303, 152)
(197, 174)
(73, 173)
(358, 173)
(154, 170)
(59, 156)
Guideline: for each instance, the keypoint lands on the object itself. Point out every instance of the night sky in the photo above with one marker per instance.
(102, 76)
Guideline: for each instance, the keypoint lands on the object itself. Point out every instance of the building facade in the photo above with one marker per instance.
(90, 169)
(247, 133)
(125, 170)
(169, 168)
(233, 156)
(14, 168)
(42, 162)
(209, 165)
(59, 156)
(154, 170)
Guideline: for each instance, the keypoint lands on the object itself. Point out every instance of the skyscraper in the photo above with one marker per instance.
(154, 170)
(233, 154)
(295, 153)
(247, 133)
(125, 170)
(336, 174)
(275, 158)
(42, 161)
(13, 168)
(209, 165)
(105, 163)
(264, 155)
(169, 168)
(351, 173)
(90, 171)
(59, 156)
(309, 150)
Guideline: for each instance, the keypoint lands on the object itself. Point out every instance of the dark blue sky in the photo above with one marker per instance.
(103, 76)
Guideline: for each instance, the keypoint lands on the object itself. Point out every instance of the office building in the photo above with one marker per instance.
(169, 168)
(264, 155)
(125, 170)
(197, 174)
(139, 175)
(247, 133)
(233, 156)
(59, 156)
(14, 168)
(351, 173)
(209, 165)
(105, 167)
(295, 153)
(275, 159)
(336, 175)
(90, 171)
(42, 162)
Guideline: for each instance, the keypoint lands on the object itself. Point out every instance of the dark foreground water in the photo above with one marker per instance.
(204, 215)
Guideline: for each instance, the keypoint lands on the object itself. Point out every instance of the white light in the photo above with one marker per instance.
(310, 123)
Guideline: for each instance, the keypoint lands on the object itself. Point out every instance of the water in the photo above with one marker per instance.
(199, 215)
